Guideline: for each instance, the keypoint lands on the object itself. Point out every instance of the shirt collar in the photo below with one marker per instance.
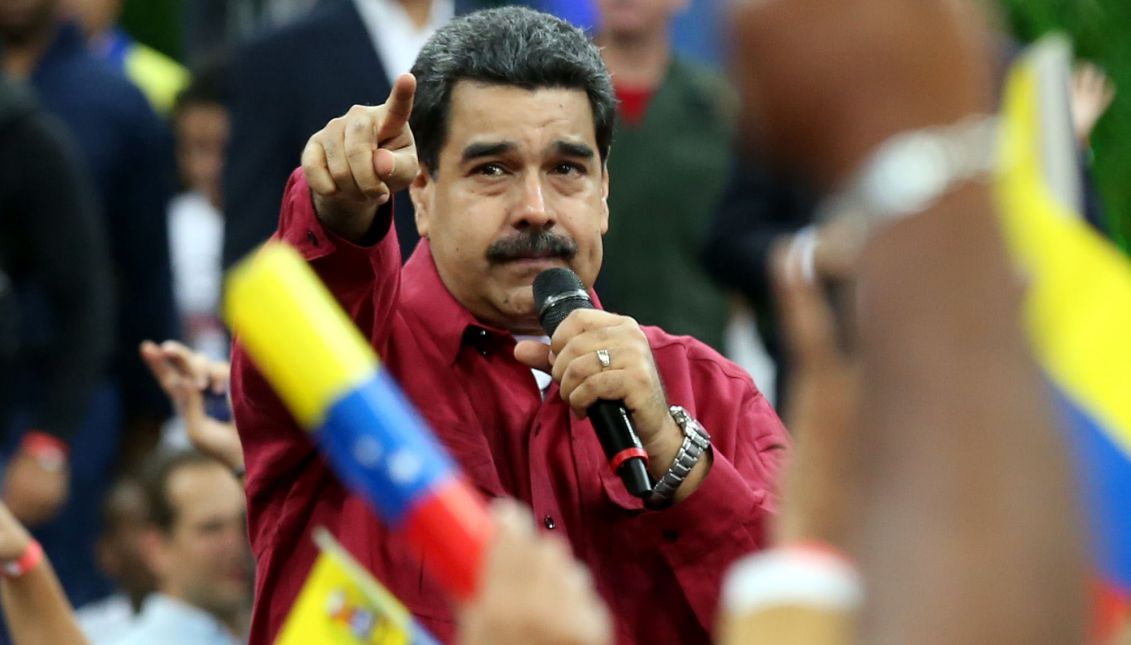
(449, 322)
(424, 292)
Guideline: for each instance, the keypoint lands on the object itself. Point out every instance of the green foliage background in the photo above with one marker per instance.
(1101, 33)
(156, 23)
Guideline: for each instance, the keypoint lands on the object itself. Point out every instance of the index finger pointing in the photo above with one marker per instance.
(398, 107)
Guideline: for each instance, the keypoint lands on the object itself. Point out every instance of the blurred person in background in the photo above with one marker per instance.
(671, 149)
(212, 25)
(760, 208)
(289, 82)
(35, 609)
(120, 557)
(158, 76)
(196, 224)
(195, 543)
(48, 375)
(125, 149)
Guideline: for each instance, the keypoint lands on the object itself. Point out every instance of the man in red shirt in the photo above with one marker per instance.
(510, 133)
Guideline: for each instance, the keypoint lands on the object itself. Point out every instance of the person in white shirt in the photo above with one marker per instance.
(196, 545)
(196, 223)
(119, 557)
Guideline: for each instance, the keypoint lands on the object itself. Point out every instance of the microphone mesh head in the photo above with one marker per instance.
(553, 282)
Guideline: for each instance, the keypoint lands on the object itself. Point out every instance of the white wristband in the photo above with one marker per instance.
(797, 576)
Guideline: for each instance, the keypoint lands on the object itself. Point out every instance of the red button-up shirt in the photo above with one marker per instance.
(659, 571)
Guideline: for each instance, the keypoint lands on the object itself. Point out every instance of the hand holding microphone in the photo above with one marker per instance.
(605, 369)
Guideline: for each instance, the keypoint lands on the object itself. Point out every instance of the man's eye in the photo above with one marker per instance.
(569, 168)
(491, 170)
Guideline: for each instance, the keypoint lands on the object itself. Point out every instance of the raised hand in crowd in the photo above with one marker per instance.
(1091, 94)
(823, 98)
(532, 591)
(822, 410)
(962, 476)
(36, 481)
(35, 608)
(190, 379)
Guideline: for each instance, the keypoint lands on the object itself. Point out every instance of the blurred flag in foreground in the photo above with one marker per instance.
(342, 604)
(1077, 310)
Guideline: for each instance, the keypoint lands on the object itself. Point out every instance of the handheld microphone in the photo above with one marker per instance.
(557, 293)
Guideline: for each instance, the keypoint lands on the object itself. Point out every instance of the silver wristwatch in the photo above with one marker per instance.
(696, 441)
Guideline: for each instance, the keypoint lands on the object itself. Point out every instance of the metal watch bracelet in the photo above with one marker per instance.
(696, 441)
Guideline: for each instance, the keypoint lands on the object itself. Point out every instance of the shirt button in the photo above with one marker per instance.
(311, 237)
(670, 535)
(549, 522)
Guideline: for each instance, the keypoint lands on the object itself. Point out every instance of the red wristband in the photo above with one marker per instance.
(37, 442)
(31, 558)
(50, 451)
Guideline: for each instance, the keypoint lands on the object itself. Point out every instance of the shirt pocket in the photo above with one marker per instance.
(468, 450)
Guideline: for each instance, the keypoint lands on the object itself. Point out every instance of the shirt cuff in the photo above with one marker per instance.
(300, 227)
(723, 518)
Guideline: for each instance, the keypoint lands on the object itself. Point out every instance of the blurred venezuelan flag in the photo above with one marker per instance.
(1078, 317)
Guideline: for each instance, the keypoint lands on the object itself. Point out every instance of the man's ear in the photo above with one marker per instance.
(155, 553)
(604, 198)
(420, 191)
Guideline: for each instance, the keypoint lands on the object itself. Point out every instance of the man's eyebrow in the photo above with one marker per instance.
(572, 149)
(486, 149)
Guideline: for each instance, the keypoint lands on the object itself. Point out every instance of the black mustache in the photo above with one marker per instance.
(526, 245)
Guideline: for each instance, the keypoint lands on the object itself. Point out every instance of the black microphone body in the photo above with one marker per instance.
(557, 293)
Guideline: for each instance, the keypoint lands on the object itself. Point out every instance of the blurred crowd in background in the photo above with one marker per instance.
(130, 180)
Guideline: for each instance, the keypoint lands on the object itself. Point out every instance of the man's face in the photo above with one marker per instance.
(204, 558)
(20, 20)
(636, 18)
(202, 137)
(520, 188)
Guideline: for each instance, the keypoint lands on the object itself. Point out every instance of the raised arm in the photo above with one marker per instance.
(35, 608)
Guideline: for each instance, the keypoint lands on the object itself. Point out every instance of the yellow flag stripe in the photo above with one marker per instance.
(1078, 307)
(295, 332)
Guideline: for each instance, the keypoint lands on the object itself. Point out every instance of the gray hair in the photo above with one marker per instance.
(506, 46)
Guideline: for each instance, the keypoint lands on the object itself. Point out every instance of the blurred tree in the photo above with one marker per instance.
(156, 23)
(1098, 29)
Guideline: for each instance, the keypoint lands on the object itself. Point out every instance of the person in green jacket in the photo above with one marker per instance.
(670, 154)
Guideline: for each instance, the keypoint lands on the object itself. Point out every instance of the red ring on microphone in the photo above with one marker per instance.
(625, 455)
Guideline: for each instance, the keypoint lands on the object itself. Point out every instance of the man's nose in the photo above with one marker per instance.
(532, 210)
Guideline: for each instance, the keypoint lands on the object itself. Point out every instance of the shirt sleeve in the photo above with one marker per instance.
(727, 516)
(364, 280)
